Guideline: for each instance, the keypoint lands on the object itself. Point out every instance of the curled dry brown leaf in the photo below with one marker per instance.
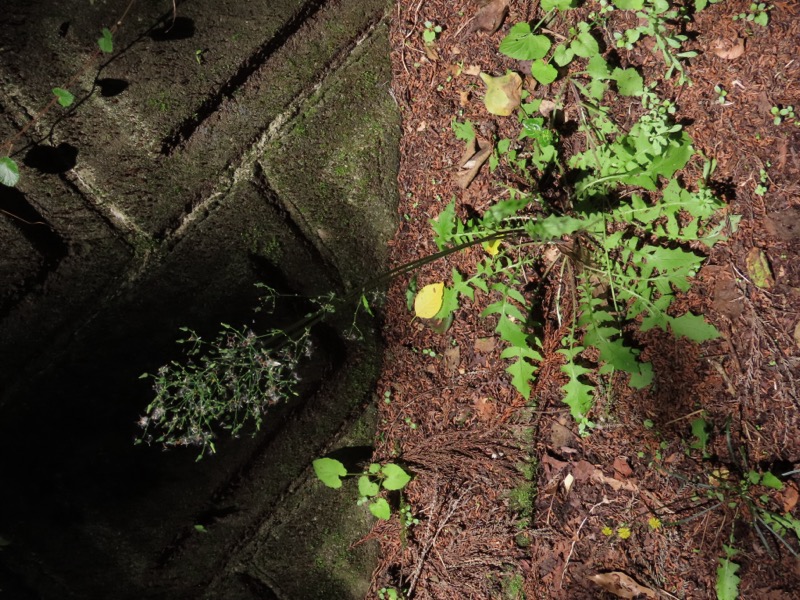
(621, 585)
(728, 49)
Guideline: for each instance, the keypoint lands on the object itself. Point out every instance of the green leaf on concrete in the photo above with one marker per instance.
(366, 487)
(65, 98)
(522, 44)
(106, 42)
(380, 508)
(9, 172)
(330, 471)
(396, 477)
(503, 94)
(544, 72)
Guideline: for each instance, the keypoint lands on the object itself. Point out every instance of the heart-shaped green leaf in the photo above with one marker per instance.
(396, 477)
(330, 471)
(521, 44)
(65, 97)
(366, 487)
(545, 73)
(380, 508)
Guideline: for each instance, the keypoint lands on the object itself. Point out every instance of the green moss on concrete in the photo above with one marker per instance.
(341, 175)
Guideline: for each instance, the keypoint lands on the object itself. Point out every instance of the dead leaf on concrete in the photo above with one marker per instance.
(728, 49)
(621, 585)
(476, 152)
(491, 16)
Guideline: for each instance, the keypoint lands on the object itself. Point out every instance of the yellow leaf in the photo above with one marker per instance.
(429, 300)
(503, 94)
(492, 248)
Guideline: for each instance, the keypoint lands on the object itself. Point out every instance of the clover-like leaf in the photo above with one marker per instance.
(380, 508)
(65, 97)
(9, 172)
(329, 471)
(396, 477)
(503, 94)
(429, 300)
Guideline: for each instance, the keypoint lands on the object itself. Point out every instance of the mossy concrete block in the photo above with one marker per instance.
(336, 162)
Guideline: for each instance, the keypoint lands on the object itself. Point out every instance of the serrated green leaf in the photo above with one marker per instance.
(444, 225)
(464, 131)
(106, 43)
(367, 488)
(629, 82)
(522, 44)
(9, 172)
(65, 97)
(329, 471)
(577, 394)
(380, 508)
(521, 371)
(727, 581)
(693, 327)
(543, 72)
(597, 67)
(396, 477)
(554, 226)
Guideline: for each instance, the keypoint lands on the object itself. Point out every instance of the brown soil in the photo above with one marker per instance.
(468, 435)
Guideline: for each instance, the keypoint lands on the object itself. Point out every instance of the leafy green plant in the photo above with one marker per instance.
(9, 170)
(779, 114)
(388, 476)
(756, 13)
(431, 32)
(722, 95)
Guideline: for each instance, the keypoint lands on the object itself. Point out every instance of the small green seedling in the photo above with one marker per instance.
(757, 13)
(198, 56)
(727, 579)
(389, 476)
(780, 114)
(431, 32)
(721, 95)
(763, 180)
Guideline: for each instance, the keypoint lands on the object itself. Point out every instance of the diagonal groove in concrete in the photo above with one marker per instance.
(254, 62)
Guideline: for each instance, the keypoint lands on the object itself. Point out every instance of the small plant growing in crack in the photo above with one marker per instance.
(376, 477)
